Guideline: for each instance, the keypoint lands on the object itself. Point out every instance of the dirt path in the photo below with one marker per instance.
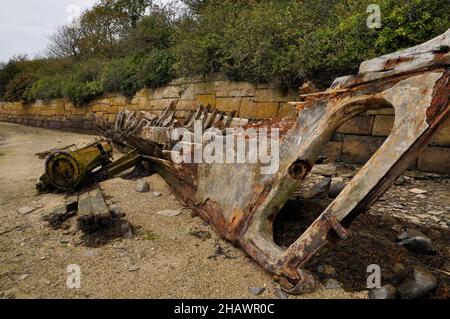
(164, 260)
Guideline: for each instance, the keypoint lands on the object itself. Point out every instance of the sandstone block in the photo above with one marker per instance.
(359, 125)
(442, 137)
(229, 104)
(287, 110)
(267, 110)
(359, 149)
(248, 108)
(383, 125)
(435, 159)
(206, 99)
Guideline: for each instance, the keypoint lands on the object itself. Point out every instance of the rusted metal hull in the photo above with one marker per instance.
(241, 203)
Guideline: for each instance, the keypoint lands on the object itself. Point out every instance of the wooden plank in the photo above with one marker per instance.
(84, 205)
(98, 204)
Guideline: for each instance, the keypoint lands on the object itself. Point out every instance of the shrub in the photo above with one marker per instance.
(157, 69)
(121, 75)
(84, 85)
(80, 93)
(17, 88)
(46, 88)
(286, 42)
(8, 71)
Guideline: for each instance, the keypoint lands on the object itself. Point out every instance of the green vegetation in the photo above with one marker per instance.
(150, 235)
(125, 45)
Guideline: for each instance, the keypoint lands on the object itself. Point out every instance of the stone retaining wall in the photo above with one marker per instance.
(354, 142)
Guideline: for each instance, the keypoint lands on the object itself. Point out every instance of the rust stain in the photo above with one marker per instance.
(441, 94)
(393, 63)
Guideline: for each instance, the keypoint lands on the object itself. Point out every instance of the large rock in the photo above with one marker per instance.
(409, 233)
(385, 292)
(418, 284)
(320, 190)
(336, 188)
(416, 242)
(420, 245)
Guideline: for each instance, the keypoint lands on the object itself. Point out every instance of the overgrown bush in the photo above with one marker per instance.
(121, 75)
(17, 88)
(287, 42)
(8, 71)
(80, 93)
(45, 88)
(157, 69)
(84, 84)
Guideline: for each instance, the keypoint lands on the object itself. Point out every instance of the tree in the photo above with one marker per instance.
(8, 71)
(65, 42)
(106, 23)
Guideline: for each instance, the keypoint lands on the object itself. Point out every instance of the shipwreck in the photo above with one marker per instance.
(239, 200)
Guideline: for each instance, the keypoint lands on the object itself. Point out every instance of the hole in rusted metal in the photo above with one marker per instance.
(299, 169)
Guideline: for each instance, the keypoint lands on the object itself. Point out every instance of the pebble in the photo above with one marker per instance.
(385, 292)
(169, 213)
(90, 253)
(418, 284)
(324, 169)
(23, 277)
(280, 294)
(116, 212)
(133, 268)
(332, 284)
(435, 212)
(257, 290)
(142, 186)
(418, 191)
(412, 219)
(157, 194)
(400, 181)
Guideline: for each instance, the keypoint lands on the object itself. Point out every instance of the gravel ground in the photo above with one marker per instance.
(164, 259)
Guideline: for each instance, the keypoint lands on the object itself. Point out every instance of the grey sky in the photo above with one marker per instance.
(26, 24)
